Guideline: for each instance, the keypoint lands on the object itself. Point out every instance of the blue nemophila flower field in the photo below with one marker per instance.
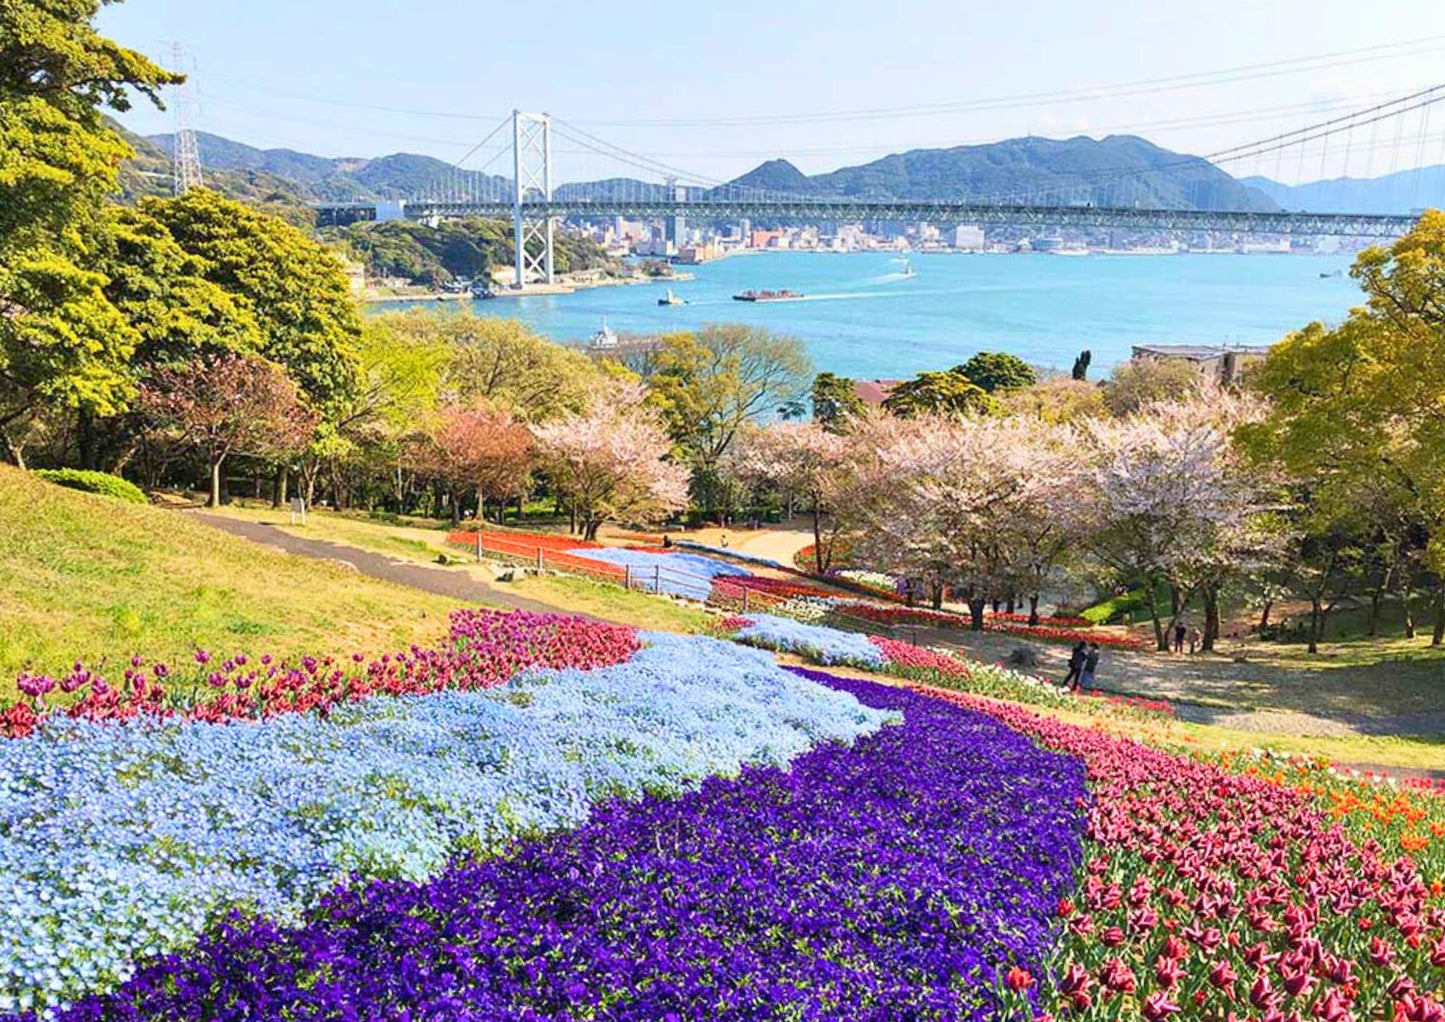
(818, 643)
(119, 842)
(896, 878)
(686, 575)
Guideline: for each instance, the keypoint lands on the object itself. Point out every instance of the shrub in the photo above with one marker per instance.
(102, 483)
(1115, 607)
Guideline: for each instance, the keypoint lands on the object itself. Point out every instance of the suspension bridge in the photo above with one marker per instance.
(1112, 198)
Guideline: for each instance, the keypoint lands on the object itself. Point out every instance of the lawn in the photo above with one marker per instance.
(87, 577)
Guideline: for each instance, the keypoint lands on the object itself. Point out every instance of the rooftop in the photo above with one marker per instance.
(1200, 352)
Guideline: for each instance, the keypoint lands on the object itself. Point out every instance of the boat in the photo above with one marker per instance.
(767, 296)
(671, 299)
(1332, 273)
(605, 337)
(482, 291)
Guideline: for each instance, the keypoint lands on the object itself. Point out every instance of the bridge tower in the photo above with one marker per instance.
(186, 154)
(532, 179)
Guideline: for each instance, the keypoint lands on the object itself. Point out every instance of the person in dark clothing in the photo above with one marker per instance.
(1076, 666)
(1179, 630)
(1091, 664)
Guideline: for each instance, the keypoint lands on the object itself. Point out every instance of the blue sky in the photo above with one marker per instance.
(714, 89)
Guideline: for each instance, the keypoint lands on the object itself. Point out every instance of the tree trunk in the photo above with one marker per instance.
(1317, 623)
(1264, 615)
(818, 539)
(590, 533)
(217, 460)
(1376, 598)
(1211, 618)
(1174, 602)
(455, 505)
(1034, 610)
(14, 450)
(1407, 604)
(976, 607)
(1161, 640)
(935, 595)
(1438, 636)
(1012, 604)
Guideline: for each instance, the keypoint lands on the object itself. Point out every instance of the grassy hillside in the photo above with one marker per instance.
(85, 577)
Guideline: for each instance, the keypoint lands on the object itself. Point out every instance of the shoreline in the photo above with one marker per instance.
(561, 287)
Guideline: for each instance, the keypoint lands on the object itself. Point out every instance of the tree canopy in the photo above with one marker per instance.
(938, 393)
(996, 371)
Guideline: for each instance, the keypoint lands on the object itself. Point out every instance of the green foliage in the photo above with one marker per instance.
(939, 393)
(101, 483)
(709, 384)
(466, 248)
(1140, 382)
(61, 341)
(834, 401)
(294, 286)
(997, 371)
(1135, 601)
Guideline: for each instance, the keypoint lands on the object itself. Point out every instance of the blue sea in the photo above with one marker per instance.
(862, 317)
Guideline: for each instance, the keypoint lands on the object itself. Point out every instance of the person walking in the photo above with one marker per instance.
(1091, 665)
(1179, 629)
(1076, 666)
(1195, 637)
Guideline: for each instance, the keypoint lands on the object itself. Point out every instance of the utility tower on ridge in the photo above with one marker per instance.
(185, 153)
(532, 180)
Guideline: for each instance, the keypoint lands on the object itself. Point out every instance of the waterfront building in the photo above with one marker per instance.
(968, 237)
(1216, 363)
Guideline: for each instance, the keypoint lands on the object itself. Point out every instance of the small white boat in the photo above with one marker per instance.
(671, 299)
(907, 270)
(605, 337)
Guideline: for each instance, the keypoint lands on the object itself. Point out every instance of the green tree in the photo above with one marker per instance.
(939, 393)
(997, 371)
(834, 401)
(1081, 365)
(62, 344)
(294, 286)
(1140, 382)
(1356, 410)
(710, 384)
(503, 363)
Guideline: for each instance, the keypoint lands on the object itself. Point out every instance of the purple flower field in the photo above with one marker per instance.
(895, 879)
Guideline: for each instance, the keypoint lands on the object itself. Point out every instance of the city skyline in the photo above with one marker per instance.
(717, 92)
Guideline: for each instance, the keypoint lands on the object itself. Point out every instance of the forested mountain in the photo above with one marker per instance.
(1114, 170)
(1118, 170)
(1402, 192)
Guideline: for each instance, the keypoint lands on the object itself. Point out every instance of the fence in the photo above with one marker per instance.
(730, 593)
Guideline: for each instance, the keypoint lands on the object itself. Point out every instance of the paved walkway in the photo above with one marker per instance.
(457, 583)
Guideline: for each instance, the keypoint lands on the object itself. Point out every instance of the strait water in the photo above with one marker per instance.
(863, 318)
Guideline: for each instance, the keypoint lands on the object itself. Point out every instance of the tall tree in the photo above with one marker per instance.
(62, 343)
(1081, 365)
(234, 404)
(708, 385)
(834, 401)
(294, 287)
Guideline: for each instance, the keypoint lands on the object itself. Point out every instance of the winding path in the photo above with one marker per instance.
(456, 583)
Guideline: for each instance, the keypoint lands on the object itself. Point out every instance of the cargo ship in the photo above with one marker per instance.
(767, 296)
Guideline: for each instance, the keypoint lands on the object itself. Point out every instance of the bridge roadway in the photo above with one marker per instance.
(1360, 225)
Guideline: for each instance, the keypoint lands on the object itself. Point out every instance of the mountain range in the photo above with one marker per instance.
(1109, 171)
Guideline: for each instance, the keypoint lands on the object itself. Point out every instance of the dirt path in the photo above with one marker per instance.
(457, 583)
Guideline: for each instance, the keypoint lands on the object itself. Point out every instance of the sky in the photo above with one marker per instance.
(714, 89)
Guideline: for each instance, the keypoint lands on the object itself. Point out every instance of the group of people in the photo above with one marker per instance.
(1182, 631)
(1083, 663)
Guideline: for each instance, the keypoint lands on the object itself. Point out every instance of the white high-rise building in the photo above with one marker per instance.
(968, 237)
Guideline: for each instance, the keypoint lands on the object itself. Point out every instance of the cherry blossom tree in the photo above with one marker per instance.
(482, 450)
(612, 461)
(805, 461)
(1177, 506)
(230, 405)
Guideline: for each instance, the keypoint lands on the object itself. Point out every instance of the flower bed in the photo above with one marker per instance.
(1207, 890)
(121, 840)
(484, 648)
(1065, 629)
(677, 574)
(732, 588)
(900, 878)
(818, 643)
